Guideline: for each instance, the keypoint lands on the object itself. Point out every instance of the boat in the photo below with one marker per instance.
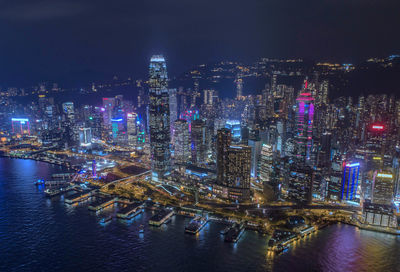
(141, 229)
(161, 217)
(52, 192)
(196, 224)
(106, 219)
(234, 233)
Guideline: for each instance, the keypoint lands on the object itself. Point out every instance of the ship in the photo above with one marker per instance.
(234, 233)
(196, 224)
(161, 217)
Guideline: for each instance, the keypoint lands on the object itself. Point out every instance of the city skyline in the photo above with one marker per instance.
(199, 136)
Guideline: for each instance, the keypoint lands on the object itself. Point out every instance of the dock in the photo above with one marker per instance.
(77, 197)
(102, 203)
(130, 211)
(161, 217)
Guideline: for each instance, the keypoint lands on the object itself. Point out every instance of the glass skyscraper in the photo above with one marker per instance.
(159, 118)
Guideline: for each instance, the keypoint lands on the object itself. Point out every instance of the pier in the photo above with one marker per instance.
(102, 203)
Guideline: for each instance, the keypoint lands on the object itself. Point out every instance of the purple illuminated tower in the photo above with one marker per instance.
(94, 173)
(304, 125)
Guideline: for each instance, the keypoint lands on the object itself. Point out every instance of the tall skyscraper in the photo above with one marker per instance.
(304, 125)
(182, 152)
(224, 139)
(131, 126)
(199, 141)
(173, 107)
(233, 167)
(383, 186)
(350, 181)
(159, 118)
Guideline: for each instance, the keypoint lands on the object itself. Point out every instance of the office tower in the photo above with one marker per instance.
(255, 145)
(68, 110)
(224, 139)
(237, 176)
(117, 128)
(173, 107)
(182, 152)
(190, 116)
(300, 183)
(233, 167)
(209, 97)
(334, 190)
(304, 126)
(159, 124)
(94, 169)
(21, 126)
(239, 87)
(324, 91)
(270, 186)
(235, 128)
(85, 137)
(383, 186)
(131, 126)
(108, 107)
(350, 181)
(199, 135)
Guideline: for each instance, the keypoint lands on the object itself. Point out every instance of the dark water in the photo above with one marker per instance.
(39, 234)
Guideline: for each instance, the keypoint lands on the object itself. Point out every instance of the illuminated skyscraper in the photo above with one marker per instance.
(383, 186)
(131, 126)
(199, 141)
(270, 186)
(20, 126)
(85, 137)
(350, 181)
(68, 109)
(182, 152)
(173, 106)
(235, 128)
(159, 118)
(304, 125)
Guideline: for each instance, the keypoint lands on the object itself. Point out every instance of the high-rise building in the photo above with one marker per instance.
(255, 145)
(235, 128)
(131, 126)
(159, 118)
(199, 135)
(304, 126)
(233, 167)
(173, 107)
(270, 187)
(300, 183)
(20, 126)
(350, 181)
(182, 152)
(383, 186)
(224, 139)
(85, 137)
(68, 110)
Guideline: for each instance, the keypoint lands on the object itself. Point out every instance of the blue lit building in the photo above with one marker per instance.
(350, 181)
(234, 127)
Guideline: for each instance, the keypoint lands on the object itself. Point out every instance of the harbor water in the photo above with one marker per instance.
(43, 234)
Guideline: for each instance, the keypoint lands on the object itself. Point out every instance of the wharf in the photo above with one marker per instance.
(77, 197)
(130, 211)
(102, 202)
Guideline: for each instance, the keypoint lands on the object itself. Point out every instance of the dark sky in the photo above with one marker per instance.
(78, 40)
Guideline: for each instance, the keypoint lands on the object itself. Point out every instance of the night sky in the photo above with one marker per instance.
(77, 41)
